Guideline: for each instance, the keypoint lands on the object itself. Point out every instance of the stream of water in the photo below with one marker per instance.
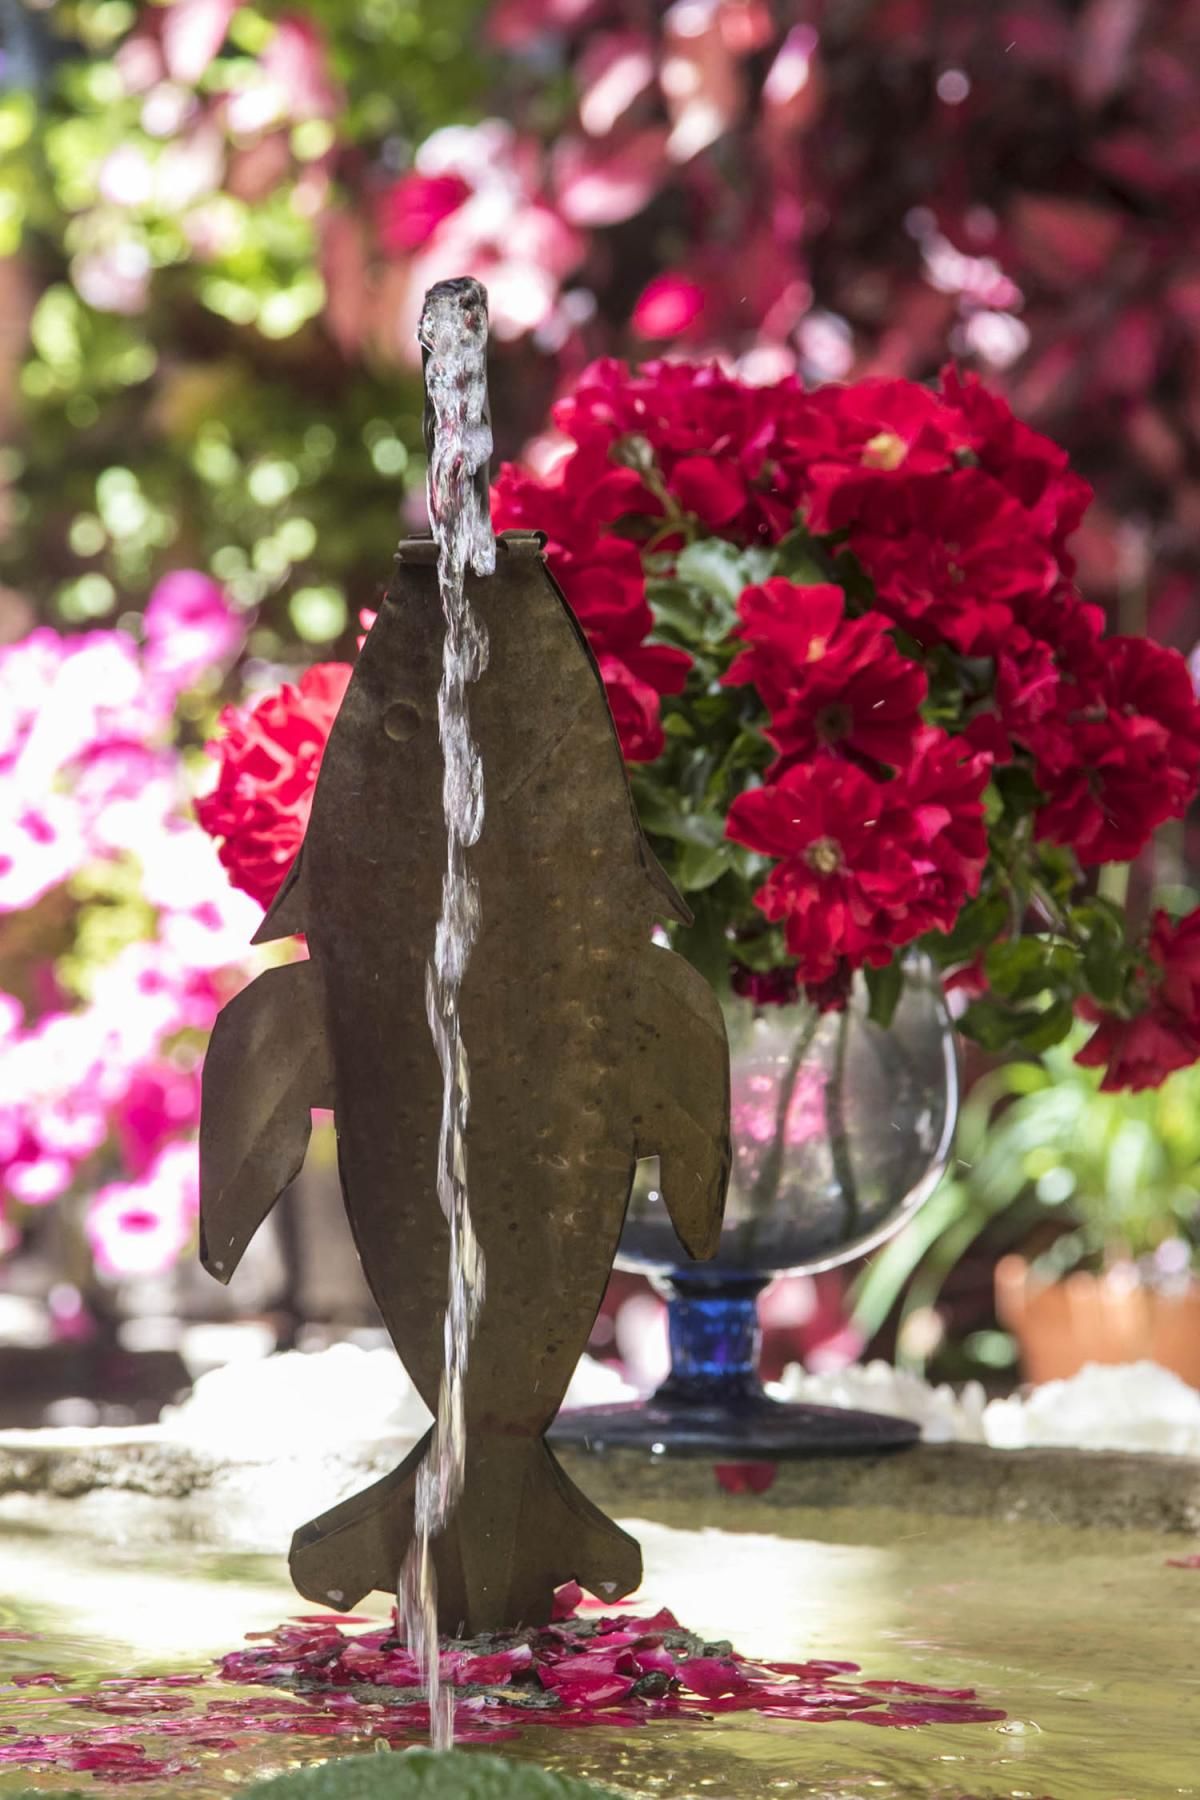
(453, 334)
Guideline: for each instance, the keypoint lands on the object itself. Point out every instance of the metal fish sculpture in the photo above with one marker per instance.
(590, 1047)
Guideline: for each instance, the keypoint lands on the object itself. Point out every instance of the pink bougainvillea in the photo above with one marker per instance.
(99, 1070)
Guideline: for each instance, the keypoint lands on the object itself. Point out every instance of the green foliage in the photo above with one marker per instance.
(211, 419)
(424, 1775)
(1039, 1145)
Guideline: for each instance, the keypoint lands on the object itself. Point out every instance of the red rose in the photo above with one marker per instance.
(1176, 949)
(1033, 468)
(951, 556)
(833, 874)
(269, 757)
(765, 987)
(826, 679)
(601, 577)
(1121, 752)
(865, 866)
(1140, 1052)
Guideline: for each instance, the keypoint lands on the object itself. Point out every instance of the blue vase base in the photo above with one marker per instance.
(747, 1428)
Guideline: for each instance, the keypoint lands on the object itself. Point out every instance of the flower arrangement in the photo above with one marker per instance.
(862, 701)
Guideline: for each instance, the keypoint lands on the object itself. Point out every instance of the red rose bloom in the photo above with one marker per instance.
(1176, 949)
(635, 710)
(1034, 469)
(1141, 1052)
(601, 577)
(269, 758)
(865, 866)
(1121, 752)
(826, 679)
(951, 556)
(834, 876)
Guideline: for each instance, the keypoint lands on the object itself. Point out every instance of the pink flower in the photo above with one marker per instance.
(413, 208)
(190, 628)
(141, 1227)
(668, 306)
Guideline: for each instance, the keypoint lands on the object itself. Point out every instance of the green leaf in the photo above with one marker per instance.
(1018, 789)
(697, 867)
(988, 1024)
(1039, 1031)
(1007, 963)
(662, 817)
(979, 923)
(798, 558)
(884, 988)
(1028, 966)
(722, 570)
(680, 608)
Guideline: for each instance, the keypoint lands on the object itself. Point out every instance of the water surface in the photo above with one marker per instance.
(1086, 1638)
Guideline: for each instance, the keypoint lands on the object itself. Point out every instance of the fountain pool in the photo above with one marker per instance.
(1086, 1636)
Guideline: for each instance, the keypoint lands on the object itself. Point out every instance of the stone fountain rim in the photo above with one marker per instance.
(1147, 1491)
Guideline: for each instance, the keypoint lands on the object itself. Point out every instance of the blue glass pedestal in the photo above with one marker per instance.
(713, 1404)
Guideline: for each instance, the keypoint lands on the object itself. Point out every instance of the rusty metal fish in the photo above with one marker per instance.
(590, 1047)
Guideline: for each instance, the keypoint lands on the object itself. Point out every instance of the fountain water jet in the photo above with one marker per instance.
(458, 438)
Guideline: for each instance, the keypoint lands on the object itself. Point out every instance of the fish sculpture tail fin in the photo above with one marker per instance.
(520, 1530)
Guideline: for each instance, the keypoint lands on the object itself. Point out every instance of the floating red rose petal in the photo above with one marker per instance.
(587, 1667)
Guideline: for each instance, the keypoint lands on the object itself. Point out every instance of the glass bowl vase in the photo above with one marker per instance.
(841, 1129)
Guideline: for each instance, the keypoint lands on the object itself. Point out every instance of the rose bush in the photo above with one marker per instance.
(863, 703)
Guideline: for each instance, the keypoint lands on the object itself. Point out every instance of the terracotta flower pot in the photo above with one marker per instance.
(1110, 1318)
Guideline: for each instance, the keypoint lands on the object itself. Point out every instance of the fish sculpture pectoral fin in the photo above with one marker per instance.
(680, 1087)
(520, 1530)
(267, 1066)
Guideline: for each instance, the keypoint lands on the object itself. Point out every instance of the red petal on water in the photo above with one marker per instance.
(486, 1670)
(745, 1478)
(813, 1668)
(17, 1637)
(1183, 1562)
(917, 1687)
(133, 1705)
(105, 1756)
(931, 1713)
(46, 1678)
(711, 1676)
(492, 1734)
(566, 1600)
(663, 1620)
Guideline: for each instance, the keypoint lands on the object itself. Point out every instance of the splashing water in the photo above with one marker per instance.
(458, 438)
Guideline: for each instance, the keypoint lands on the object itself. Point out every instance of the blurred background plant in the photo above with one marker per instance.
(1051, 1166)
(216, 221)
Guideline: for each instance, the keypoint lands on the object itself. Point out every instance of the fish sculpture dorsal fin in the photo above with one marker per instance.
(288, 911)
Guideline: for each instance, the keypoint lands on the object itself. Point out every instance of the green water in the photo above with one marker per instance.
(1086, 1638)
